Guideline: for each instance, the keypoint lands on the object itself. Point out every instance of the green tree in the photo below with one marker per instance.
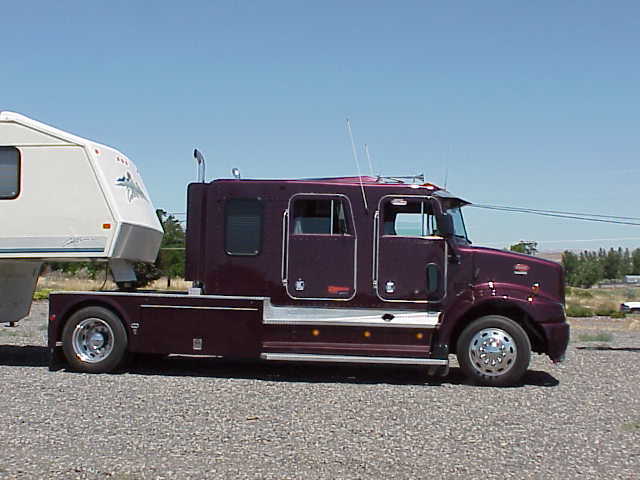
(635, 262)
(571, 264)
(146, 273)
(528, 247)
(611, 264)
(589, 273)
(626, 266)
(170, 260)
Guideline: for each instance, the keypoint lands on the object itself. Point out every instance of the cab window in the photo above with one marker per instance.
(243, 226)
(319, 217)
(406, 217)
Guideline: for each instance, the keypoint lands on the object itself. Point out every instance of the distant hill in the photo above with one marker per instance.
(553, 256)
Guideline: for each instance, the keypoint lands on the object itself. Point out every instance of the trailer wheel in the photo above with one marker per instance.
(94, 340)
(494, 350)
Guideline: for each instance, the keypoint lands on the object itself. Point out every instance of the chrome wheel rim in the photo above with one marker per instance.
(492, 352)
(92, 340)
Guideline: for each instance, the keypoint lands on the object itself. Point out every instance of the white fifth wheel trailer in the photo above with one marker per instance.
(66, 198)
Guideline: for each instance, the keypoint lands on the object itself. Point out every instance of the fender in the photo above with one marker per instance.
(63, 306)
(524, 305)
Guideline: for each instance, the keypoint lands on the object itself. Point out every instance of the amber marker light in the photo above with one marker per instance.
(315, 332)
(106, 226)
(419, 335)
(367, 334)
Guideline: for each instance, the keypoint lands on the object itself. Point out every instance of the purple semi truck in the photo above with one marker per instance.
(356, 270)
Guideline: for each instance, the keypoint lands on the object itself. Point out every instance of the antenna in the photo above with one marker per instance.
(355, 157)
(366, 151)
(201, 165)
(446, 177)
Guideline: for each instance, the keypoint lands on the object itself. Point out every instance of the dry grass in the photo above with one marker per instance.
(178, 284)
(78, 283)
(73, 284)
(601, 299)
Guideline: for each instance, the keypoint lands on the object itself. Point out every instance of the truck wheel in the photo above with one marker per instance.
(94, 340)
(494, 350)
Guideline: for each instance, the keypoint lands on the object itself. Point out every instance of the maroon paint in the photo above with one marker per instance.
(478, 280)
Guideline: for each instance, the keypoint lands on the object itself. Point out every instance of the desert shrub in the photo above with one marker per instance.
(605, 310)
(41, 294)
(617, 315)
(595, 337)
(581, 293)
(574, 310)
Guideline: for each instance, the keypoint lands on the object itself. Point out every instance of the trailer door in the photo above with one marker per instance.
(320, 248)
(410, 258)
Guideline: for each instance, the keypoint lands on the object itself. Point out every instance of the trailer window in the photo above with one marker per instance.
(320, 216)
(243, 226)
(9, 173)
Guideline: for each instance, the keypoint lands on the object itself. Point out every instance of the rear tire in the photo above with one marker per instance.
(94, 340)
(494, 350)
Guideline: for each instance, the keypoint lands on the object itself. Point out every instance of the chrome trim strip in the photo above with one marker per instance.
(347, 323)
(285, 247)
(355, 249)
(58, 344)
(374, 267)
(309, 357)
(291, 315)
(194, 307)
(348, 318)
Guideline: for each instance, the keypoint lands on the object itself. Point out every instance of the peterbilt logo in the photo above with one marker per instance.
(521, 269)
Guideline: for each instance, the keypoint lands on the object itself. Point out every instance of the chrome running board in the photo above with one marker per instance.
(309, 357)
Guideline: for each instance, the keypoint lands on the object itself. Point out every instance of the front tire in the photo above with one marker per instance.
(494, 350)
(94, 340)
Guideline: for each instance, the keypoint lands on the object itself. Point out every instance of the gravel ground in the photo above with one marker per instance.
(188, 418)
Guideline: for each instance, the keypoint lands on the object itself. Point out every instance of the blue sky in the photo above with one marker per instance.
(532, 104)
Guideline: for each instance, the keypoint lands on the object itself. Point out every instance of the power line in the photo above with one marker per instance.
(549, 213)
(518, 209)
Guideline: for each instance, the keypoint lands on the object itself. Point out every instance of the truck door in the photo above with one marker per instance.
(319, 251)
(410, 258)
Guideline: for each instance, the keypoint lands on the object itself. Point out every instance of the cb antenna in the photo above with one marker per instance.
(201, 165)
(355, 158)
(366, 151)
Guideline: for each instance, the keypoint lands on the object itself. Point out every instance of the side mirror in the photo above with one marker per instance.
(445, 225)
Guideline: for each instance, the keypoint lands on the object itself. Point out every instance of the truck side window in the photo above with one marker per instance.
(319, 216)
(9, 173)
(408, 218)
(243, 226)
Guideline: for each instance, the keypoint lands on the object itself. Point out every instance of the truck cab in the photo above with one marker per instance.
(343, 270)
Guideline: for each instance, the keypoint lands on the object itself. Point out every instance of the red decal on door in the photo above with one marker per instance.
(521, 269)
(338, 290)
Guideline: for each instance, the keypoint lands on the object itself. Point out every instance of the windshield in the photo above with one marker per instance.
(459, 230)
